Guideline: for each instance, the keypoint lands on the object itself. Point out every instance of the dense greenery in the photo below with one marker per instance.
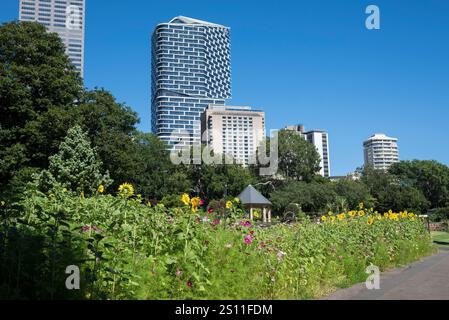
(126, 249)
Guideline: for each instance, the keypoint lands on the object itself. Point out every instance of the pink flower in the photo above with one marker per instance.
(210, 210)
(248, 240)
(96, 229)
(281, 255)
(86, 228)
(179, 273)
(189, 284)
(201, 202)
(247, 224)
(216, 222)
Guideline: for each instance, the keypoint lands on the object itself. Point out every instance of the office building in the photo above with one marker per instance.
(235, 131)
(190, 70)
(320, 139)
(381, 151)
(64, 17)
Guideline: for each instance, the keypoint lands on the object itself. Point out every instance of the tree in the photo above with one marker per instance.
(298, 159)
(354, 192)
(430, 177)
(312, 197)
(76, 166)
(38, 89)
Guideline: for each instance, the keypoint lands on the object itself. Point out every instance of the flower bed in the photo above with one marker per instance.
(129, 249)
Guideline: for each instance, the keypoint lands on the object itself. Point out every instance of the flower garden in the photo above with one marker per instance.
(127, 248)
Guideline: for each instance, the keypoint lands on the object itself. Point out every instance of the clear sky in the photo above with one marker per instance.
(311, 62)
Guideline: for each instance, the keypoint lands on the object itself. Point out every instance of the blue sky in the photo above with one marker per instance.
(311, 62)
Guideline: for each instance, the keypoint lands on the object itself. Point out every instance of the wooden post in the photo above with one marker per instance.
(264, 214)
(269, 215)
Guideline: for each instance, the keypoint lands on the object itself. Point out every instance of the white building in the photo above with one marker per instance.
(320, 139)
(66, 18)
(381, 151)
(235, 131)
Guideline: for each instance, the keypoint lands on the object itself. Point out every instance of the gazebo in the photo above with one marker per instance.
(253, 199)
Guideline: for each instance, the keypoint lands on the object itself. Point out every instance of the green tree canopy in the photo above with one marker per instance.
(76, 166)
(430, 177)
(38, 88)
(298, 159)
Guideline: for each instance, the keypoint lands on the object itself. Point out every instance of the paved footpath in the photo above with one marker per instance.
(424, 280)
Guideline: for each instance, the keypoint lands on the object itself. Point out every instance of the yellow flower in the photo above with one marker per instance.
(352, 213)
(228, 205)
(149, 203)
(411, 215)
(361, 206)
(341, 216)
(370, 221)
(332, 219)
(324, 218)
(236, 200)
(185, 199)
(101, 189)
(195, 203)
(257, 214)
(126, 190)
(379, 217)
(330, 213)
(361, 213)
(412, 219)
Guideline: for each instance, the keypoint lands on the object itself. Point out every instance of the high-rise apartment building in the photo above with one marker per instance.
(381, 151)
(66, 18)
(320, 139)
(234, 131)
(190, 70)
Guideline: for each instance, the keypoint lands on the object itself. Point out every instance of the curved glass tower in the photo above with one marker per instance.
(190, 70)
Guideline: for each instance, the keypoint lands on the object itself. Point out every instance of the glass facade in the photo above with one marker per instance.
(190, 70)
(66, 18)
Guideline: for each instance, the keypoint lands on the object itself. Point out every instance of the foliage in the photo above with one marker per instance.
(128, 250)
(38, 87)
(429, 177)
(75, 167)
(298, 159)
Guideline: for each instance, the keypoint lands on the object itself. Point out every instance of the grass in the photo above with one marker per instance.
(441, 238)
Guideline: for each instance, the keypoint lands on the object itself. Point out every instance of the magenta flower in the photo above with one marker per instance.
(216, 222)
(96, 229)
(86, 228)
(210, 210)
(189, 284)
(247, 224)
(248, 240)
(201, 202)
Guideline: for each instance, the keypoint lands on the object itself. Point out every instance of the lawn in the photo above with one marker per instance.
(441, 238)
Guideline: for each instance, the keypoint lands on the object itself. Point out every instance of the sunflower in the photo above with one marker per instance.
(185, 199)
(101, 189)
(195, 203)
(370, 221)
(324, 218)
(126, 190)
(228, 205)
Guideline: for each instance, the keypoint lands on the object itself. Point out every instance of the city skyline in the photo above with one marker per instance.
(325, 70)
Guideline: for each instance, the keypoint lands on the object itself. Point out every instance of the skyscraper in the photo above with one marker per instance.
(66, 18)
(320, 139)
(381, 151)
(190, 70)
(235, 131)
